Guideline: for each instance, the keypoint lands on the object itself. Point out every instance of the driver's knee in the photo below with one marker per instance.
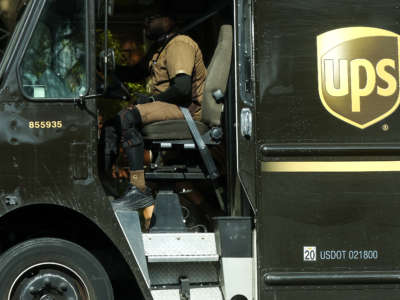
(130, 118)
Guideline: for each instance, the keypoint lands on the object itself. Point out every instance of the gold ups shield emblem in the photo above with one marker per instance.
(358, 74)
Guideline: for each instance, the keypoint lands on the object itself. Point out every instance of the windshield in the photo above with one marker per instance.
(12, 44)
(55, 61)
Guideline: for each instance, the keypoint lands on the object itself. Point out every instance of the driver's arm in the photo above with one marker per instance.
(179, 91)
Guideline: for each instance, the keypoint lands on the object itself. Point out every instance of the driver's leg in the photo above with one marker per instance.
(137, 196)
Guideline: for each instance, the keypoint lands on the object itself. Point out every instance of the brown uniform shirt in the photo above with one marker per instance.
(181, 55)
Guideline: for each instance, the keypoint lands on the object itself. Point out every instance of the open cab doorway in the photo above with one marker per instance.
(204, 180)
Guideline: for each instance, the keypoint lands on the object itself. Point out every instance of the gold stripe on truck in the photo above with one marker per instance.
(330, 166)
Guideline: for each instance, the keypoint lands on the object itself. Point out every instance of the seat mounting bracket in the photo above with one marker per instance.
(201, 145)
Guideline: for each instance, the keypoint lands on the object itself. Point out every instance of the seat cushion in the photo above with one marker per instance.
(171, 130)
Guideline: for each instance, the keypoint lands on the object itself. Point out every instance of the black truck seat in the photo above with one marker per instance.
(171, 129)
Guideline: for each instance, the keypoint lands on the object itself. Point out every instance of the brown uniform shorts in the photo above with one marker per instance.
(161, 111)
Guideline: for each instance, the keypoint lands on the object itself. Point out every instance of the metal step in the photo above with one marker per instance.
(130, 225)
(180, 247)
(208, 293)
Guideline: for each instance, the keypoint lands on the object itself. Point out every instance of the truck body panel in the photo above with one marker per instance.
(328, 188)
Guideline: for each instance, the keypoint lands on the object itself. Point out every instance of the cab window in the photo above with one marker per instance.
(54, 65)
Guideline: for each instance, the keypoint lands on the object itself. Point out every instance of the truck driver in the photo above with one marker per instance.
(177, 76)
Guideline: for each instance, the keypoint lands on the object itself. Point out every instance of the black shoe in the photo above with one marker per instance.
(134, 199)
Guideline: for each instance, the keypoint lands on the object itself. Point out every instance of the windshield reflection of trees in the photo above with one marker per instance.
(55, 59)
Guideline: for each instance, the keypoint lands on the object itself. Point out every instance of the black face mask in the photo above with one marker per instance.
(154, 31)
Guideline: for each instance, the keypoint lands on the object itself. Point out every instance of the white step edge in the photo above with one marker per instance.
(187, 258)
(209, 293)
(189, 245)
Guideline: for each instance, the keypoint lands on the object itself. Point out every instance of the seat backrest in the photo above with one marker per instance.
(217, 77)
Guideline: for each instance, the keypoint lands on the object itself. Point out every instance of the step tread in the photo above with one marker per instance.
(190, 246)
(209, 293)
(182, 258)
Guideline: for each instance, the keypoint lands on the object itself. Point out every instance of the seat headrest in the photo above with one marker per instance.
(217, 76)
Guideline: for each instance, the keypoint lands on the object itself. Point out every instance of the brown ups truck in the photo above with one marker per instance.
(302, 96)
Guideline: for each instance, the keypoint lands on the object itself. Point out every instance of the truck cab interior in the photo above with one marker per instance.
(187, 164)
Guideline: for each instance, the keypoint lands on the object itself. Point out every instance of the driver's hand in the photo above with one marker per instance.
(142, 98)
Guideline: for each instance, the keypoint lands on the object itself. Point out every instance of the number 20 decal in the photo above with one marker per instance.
(45, 124)
(310, 253)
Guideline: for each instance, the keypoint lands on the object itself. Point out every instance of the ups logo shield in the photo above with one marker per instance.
(358, 74)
